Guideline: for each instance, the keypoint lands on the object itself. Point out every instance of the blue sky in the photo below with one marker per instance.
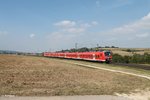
(43, 25)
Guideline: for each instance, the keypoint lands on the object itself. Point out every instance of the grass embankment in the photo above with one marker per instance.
(26, 75)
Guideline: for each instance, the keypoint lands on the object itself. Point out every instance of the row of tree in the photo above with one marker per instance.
(136, 58)
(85, 49)
(19, 53)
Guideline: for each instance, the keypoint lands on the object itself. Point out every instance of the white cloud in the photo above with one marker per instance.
(142, 35)
(58, 36)
(141, 26)
(74, 27)
(111, 39)
(32, 35)
(65, 23)
(97, 3)
(146, 17)
(94, 23)
(59, 40)
(88, 25)
(85, 25)
(74, 30)
(120, 3)
(135, 34)
(66, 36)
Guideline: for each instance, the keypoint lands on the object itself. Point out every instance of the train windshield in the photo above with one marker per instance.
(107, 53)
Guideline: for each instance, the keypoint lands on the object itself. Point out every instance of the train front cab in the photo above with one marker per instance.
(108, 56)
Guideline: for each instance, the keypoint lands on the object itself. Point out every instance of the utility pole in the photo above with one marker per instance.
(97, 47)
(76, 46)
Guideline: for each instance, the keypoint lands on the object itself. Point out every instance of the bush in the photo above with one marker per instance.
(136, 58)
(147, 58)
(129, 50)
(117, 58)
(127, 59)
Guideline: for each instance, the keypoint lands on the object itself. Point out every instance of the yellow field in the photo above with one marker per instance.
(123, 52)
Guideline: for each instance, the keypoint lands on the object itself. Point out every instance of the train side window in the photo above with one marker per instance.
(97, 56)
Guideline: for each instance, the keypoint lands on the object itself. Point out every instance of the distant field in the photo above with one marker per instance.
(123, 52)
(28, 76)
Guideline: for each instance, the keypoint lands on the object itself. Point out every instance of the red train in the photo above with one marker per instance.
(101, 56)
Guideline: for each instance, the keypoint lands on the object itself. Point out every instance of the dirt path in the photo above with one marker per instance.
(117, 71)
(142, 95)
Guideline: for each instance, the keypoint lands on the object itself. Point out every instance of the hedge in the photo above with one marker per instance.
(136, 58)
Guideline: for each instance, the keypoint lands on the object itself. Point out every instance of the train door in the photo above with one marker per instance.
(93, 56)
